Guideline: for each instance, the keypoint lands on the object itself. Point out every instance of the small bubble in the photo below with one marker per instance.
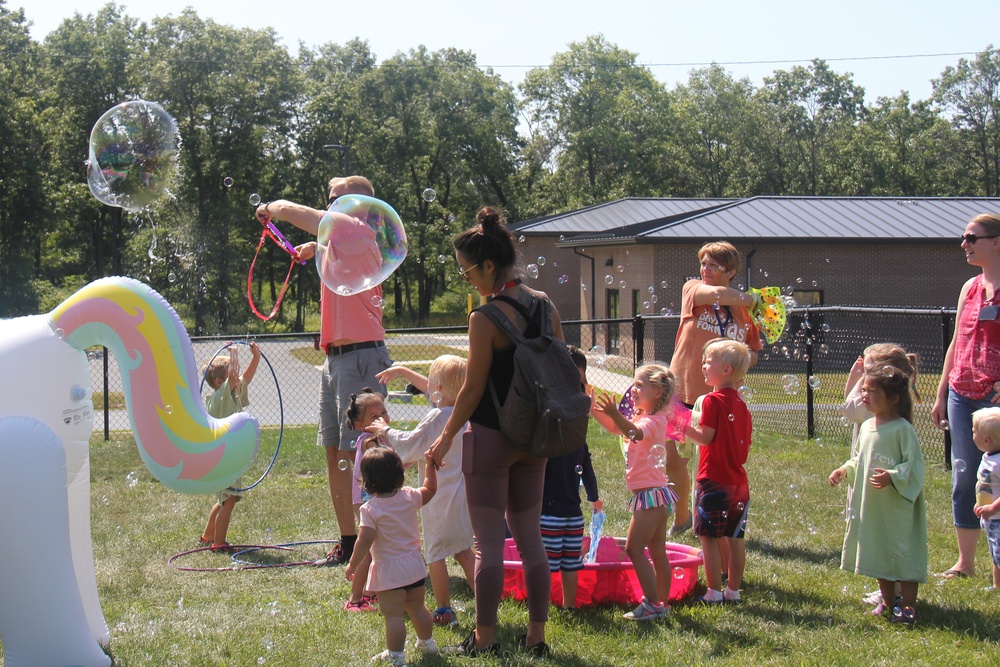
(541, 260)
(169, 409)
(442, 259)
(608, 280)
(944, 425)
(429, 195)
(622, 285)
(799, 281)
(732, 417)
(888, 371)
(653, 299)
(531, 270)
(563, 279)
(958, 466)
(650, 289)
(663, 284)
(746, 393)
(60, 334)
(679, 573)
(562, 237)
(815, 382)
(228, 182)
(579, 470)
(645, 305)
(631, 434)
(520, 239)
(621, 269)
(815, 283)
(377, 301)
(342, 464)
(255, 199)
(131, 479)
(790, 384)
(436, 397)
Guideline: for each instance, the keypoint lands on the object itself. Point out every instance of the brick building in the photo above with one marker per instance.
(631, 256)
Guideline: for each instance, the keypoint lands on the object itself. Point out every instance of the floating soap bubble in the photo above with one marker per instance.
(377, 301)
(599, 354)
(663, 284)
(645, 305)
(360, 242)
(888, 371)
(746, 393)
(563, 279)
(531, 270)
(622, 284)
(520, 239)
(133, 155)
(657, 456)
(678, 573)
(958, 466)
(342, 465)
(732, 416)
(254, 199)
(429, 195)
(442, 259)
(131, 479)
(815, 381)
(436, 397)
(790, 384)
(609, 279)
(621, 269)
(631, 434)
(944, 425)
(171, 277)
(562, 237)
(541, 261)
(228, 182)
(579, 470)
(651, 289)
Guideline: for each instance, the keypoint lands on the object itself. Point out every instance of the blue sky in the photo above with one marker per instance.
(668, 36)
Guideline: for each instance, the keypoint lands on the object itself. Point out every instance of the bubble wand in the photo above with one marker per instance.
(270, 232)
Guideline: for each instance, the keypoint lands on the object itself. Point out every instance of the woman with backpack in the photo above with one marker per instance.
(502, 480)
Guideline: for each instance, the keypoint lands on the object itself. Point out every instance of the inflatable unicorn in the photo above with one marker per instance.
(50, 614)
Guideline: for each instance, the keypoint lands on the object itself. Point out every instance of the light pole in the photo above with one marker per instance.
(345, 152)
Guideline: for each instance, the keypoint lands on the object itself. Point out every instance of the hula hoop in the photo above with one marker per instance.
(281, 408)
(237, 564)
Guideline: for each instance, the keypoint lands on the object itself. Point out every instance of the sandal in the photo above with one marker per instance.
(468, 648)
(541, 649)
(953, 574)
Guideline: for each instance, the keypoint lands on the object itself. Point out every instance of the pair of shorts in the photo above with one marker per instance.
(992, 529)
(231, 492)
(721, 509)
(409, 587)
(646, 499)
(343, 375)
(563, 540)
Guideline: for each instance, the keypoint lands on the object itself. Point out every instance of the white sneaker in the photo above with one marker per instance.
(427, 645)
(392, 657)
(646, 611)
(729, 595)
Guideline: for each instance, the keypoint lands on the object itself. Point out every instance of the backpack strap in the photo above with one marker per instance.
(542, 309)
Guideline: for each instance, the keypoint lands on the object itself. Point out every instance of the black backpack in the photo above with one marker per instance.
(546, 411)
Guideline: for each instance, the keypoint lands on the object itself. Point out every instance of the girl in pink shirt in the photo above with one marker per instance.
(390, 530)
(652, 500)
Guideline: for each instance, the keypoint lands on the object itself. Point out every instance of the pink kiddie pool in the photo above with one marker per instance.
(610, 579)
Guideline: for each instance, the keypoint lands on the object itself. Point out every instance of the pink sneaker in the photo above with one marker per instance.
(366, 603)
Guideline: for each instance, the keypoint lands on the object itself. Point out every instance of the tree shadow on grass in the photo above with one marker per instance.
(815, 557)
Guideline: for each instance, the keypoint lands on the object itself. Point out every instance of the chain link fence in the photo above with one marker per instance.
(795, 388)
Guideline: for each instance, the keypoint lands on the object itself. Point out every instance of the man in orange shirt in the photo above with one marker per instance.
(353, 337)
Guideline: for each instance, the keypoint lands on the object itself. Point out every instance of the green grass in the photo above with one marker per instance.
(799, 608)
(116, 400)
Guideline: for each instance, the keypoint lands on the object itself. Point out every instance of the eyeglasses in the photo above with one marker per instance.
(972, 238)
(465, 272)
(330, 200)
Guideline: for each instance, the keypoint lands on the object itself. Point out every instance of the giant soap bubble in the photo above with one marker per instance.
(360, 243)
(133, 154)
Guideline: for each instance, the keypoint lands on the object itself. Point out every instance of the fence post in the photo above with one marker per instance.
(638, 339)
(107, 408)
(945, 342)
(810, 411)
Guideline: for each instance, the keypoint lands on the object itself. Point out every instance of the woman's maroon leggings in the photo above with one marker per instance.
(501, 480)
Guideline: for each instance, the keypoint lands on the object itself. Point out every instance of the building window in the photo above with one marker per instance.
(809, 297)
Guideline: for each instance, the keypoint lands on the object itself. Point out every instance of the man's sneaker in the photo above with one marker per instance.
(364, 604)
(646, 611)
(337, 556)
(391, 657)
(445, 616)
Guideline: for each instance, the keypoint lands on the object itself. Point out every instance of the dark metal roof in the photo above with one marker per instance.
(787, 218)
(615, 214)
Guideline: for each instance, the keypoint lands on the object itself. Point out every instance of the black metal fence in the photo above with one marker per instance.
(795, 388)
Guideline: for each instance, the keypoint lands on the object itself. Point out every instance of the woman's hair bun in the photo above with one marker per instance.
(489, 218)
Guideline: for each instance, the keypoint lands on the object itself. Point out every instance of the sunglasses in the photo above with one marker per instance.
(464, 273)
(972, 238)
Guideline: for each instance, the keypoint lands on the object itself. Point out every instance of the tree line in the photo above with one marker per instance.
(254, 117)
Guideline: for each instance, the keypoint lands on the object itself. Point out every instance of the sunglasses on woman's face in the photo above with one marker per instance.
(972, 238)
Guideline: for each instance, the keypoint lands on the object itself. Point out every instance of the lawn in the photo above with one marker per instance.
(798, 608)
